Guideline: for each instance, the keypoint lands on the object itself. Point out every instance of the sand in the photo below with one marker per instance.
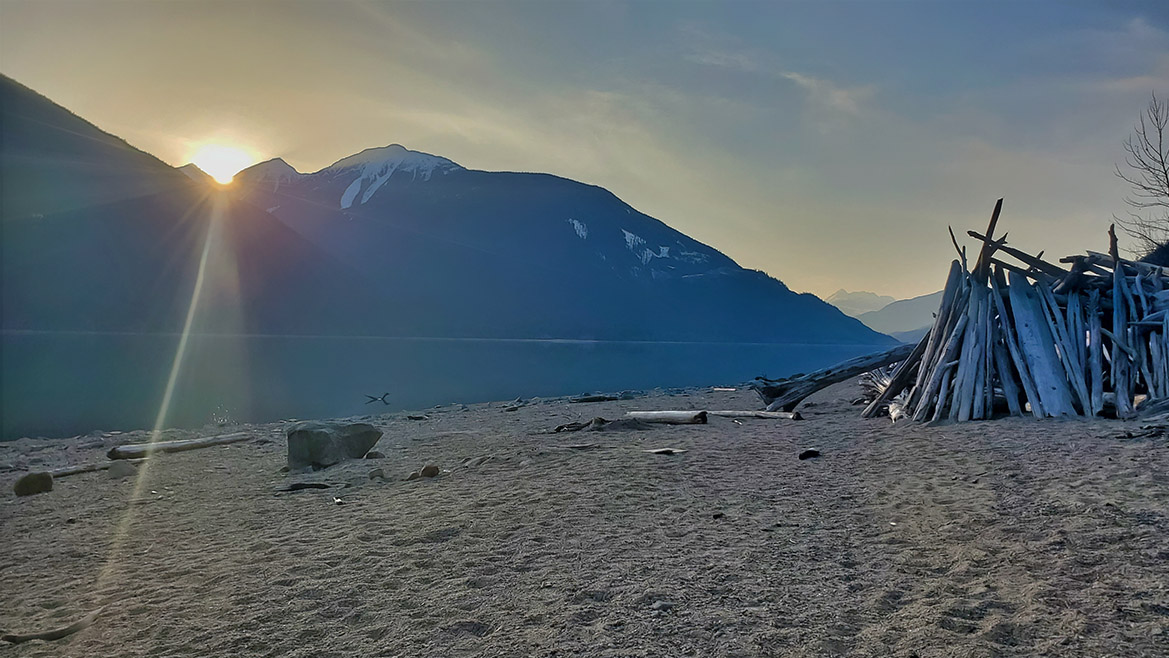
(1007, 538)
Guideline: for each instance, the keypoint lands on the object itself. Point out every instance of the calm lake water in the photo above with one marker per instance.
(62, 384)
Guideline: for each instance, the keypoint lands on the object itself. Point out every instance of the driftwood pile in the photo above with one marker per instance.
(1086, 336)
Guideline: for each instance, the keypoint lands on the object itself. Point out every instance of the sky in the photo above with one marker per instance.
(829, 144)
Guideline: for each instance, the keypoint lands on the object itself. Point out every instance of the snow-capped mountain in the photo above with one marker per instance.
(530, 255)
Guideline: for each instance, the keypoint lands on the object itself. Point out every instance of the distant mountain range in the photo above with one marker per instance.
(100, 237)
(906, 320)
(854, 303)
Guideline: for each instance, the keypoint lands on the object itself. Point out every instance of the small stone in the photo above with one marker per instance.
(70, 520)
(120, 469)
(377, 473)
(413, 476)
(717, 515)
(374, 454)
(429, 471)
(33, 483)
(662, 606)
(809, 454)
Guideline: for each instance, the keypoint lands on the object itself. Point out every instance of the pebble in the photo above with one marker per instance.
(374, 454)
(662, 606)
(429, 471)
(809, 454)
(377, 473)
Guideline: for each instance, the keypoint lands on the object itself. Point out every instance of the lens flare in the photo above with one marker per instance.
(221, 162)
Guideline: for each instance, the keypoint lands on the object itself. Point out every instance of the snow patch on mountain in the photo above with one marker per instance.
(582, 229)
(375, 166)
(633, 240)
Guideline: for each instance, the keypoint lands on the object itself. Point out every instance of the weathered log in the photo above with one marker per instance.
(784, 395)
(939, 378)
(136, 451)
(57, 633)
(1095, 353)
(1010, 338)
(774, 415)
(1038, 348)
(1121, 372)
(86, 468)
(669, 417)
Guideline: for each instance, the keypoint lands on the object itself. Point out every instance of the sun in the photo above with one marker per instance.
(221, 162)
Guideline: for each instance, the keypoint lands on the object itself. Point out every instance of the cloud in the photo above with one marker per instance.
(827, 94)
(822, 94)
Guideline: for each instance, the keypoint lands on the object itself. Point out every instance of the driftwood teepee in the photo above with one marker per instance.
(1085, 337)
(1038, 337)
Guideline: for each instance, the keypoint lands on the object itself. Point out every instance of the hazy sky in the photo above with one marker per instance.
(828, 144)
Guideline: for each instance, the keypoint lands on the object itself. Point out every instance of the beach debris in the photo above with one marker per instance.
(121, 469)
(601, 397)
(665, 451)
(584, 446)
(377, 474)
(140, 450)
(1080, 338)
(810, 453)
(300, 486)
(338, 501)
(785, 394)
(601, 425)
(320, 445)
(374, 398)
(55, 634)
(669, 417)
(718, 515)
(774, 415)
(429, 471)
(662, 606)
(33, 483)
(723, 389)
(417, 417)
(472, 462)
(374, 454)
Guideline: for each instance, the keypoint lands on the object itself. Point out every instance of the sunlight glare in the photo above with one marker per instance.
(221, 162)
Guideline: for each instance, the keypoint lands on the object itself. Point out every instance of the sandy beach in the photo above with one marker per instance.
(1013, 537)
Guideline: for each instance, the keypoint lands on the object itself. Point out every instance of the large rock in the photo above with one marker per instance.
(33, 483)
(320, 445)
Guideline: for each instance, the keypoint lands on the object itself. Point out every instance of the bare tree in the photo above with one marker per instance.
(1147, 172)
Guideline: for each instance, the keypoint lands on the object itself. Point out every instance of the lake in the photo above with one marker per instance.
(66, 383)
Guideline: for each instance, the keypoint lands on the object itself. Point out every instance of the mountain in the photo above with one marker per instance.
(907, 319)
(132, 289)
(855, 303)
(192, 171)
(529, 255)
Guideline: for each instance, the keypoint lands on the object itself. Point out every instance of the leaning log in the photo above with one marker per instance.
(136, 451)
(670, 417)
(785, 394)
(775, 415)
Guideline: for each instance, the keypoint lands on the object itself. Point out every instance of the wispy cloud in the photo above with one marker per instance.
(711, 51)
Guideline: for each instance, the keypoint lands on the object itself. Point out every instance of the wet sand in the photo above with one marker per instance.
(1013, 537)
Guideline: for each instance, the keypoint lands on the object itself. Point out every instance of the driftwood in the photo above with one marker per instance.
(785, 394)
(1036, 337)
(55, 634)
(86, 468)
(775, 415)
(669, 417)
(136, 451)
